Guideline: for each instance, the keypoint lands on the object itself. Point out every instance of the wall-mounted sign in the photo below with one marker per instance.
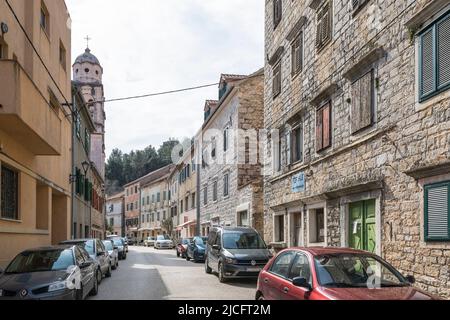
(298, 182)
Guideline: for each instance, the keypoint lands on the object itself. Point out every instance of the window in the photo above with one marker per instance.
(277, 12)
(181, 206)
(158, 216)
(282, 264)
(437, 212)
(363, 97)
(62, 55)
(276, 81)
(317, 225)
(9, 195)
(297, 54)
(323, 127)
(131, 207)
(45, 19)
(324, 25)
(279, 228)
(205, 196)
(213, 148)
(3, 50)
(193, 201)
(215, 191)
(247, 150)
(297, 143)
(111, 221)
(158, 197)
(434, 58)
(186, 203)
(78, 125)
(300, 268)
(135, 189)
(164, 195)
(225, 139)
(226, 181)
(148, 200)
(153, 198)
(87, 140)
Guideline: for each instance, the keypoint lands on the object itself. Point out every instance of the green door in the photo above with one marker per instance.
(362, 233)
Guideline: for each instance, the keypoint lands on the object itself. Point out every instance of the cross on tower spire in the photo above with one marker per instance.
(87, 41)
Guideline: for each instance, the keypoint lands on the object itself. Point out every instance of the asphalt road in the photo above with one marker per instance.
(150, 274)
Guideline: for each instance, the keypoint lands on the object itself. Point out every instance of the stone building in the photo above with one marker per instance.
(87, 74)
(231, 182)
(115, 214)
(155, 203)
(357, 107)
(35, 126)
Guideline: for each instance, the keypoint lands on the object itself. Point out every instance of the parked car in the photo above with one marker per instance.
(125, 243)
(122, 253)
(196, 249)
(96, 251)
(130, 241)
(150, 242)
(235, 253)
(113, 252)
(50, 273)
(163, 242)
(334, 274)
(182, 247)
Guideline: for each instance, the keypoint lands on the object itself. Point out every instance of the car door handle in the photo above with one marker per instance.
(266, 280)
(286, 290)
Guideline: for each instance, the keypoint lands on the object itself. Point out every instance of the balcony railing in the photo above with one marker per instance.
(25, 114)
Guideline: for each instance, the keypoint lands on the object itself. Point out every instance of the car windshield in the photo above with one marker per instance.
(200, 241)
(160, 238)
(118, 242)
(356, 271)
(240, 240)
(108, 245)
(88, 246)
(41, 261)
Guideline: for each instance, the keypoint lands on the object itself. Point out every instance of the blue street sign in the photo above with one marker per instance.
(298, 182)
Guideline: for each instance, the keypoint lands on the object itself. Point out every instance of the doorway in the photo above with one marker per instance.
(362, 233)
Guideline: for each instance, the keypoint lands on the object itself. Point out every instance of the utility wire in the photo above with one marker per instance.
(37, 53)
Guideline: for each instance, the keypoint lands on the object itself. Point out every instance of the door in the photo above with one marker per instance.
(277, 276)
(362, 232)
(298, 232)
(300, 269)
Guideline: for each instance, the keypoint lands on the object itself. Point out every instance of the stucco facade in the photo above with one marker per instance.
(355, 179)
(231, 164)
(115, 213)
(35, 134)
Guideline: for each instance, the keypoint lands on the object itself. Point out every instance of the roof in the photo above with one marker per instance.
(87, 56)
(152, 176)
(211, 104)
(231, 77)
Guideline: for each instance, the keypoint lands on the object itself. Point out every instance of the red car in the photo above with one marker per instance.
(334, 274)
(181, 247)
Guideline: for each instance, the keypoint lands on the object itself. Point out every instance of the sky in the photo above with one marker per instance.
(147, 46)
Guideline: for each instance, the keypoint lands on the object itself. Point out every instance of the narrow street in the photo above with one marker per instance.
(149, 274)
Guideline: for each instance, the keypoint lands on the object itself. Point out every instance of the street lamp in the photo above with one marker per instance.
(86, 166)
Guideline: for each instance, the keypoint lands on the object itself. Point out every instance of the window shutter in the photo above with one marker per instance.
(319, 28)
(437, 212)
(427, 64)
(299, 56)
(443, 56)
(319, 130)
(356, 102)
(325, 24)
(367, 96)
(355, 4)
(327, 126)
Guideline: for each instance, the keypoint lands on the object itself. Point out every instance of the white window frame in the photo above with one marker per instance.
(310, 209)
(275, 236)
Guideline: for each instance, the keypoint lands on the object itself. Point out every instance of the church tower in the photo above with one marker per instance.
(88, 73)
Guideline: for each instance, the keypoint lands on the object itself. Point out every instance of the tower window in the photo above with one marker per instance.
(86, 70)
(96, 72)
(45, 19)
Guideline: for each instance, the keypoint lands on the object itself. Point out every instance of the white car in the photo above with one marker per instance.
(150, 242)
(163, 242)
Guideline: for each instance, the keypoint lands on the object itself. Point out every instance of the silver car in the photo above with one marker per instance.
(113, 252)
(163, 242)
(121, 249)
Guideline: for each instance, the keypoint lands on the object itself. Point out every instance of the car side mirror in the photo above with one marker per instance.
(411, 279)
(302, 283)
(100, 253)
(85, 265)
(216, 247)
(116, 248)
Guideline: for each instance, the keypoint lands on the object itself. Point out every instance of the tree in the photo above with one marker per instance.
(168, 225)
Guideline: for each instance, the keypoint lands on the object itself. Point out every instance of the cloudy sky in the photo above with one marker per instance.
(148, 46)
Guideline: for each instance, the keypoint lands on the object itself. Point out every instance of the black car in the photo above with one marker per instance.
(196, 249)
(50, 273)
(236, 253)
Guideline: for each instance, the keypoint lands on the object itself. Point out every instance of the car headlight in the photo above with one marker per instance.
(230, 261)
(57, 286)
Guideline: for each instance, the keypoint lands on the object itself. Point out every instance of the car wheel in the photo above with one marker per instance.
(109, 272)
(178, 254)
(117, 264)
(99, 276)
(222, 278)
(94, 290)
(124, 257)
(208, 270)
(187, 257)
(259, 296)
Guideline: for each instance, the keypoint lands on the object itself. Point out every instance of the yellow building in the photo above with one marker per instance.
(35, 128)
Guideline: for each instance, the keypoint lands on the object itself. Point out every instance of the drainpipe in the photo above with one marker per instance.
(198, 226)
(72, 215)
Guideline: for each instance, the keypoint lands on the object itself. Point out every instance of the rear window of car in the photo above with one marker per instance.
(108, 245)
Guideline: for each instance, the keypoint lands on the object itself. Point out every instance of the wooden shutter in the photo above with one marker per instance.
(326, 126)
(288, 148)
(319, 130)
(427, 63)
(443, 52)
(437, 211)
(277, 80)
(319, 28)
(326, 24)
(362, 102)
(297, 54)
(356, 102)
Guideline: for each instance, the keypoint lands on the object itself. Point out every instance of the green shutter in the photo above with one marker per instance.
(437, 210)
(427, 55)
(443, 52)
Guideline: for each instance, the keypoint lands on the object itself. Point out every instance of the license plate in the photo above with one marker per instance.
(253, 269)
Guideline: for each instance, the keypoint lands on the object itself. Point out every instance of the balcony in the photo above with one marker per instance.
(25, 113)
